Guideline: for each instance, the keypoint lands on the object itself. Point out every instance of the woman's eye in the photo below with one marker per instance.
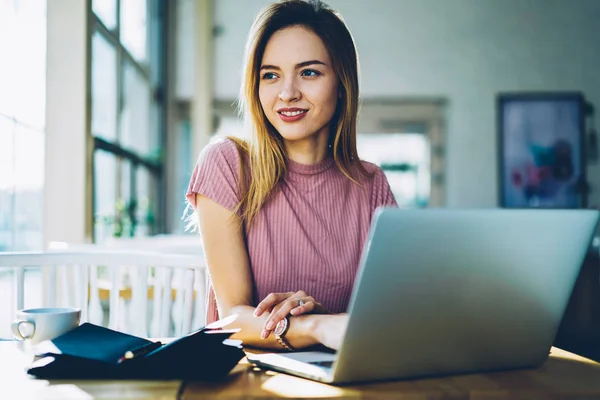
(310, 73)
(269, 75)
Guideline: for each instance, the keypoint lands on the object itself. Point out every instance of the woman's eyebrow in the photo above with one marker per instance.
(307, 63)
(298, 66)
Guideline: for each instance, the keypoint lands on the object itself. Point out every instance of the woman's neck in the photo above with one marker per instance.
(311, 150)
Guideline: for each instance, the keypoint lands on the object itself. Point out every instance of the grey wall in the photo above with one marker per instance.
(462, 50)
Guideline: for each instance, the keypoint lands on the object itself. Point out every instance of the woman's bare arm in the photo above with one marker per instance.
(229, 269)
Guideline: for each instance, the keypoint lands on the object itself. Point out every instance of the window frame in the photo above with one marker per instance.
(154, 76)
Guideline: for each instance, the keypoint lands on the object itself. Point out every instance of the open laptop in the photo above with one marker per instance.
(443, 292)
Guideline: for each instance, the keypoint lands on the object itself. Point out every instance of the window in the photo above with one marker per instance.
(134, 28)
(104, 88)
(404, 158)
(22, 108)
(106, 11)
(127, 117)
(22, 115)
(405, 137)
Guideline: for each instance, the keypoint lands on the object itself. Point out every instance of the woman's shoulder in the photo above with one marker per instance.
(222, 152)
(222, 147)
(379, 186)
(370, 167)
(375, 173)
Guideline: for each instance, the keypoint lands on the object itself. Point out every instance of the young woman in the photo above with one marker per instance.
(284, 217)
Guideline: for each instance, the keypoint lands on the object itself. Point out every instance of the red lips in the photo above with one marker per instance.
(296, 114)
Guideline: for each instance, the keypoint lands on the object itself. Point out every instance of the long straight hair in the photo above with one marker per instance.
(265, 152)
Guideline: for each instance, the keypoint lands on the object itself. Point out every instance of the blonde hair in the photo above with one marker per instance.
(265, 153)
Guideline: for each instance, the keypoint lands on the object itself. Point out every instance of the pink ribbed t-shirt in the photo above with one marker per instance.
(309, 236)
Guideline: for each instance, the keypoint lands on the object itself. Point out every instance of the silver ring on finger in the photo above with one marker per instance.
(300, 302)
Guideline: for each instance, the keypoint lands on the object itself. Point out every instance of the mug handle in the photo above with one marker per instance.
(15, 326)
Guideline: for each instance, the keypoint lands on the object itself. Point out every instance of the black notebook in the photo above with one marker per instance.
(94, 352)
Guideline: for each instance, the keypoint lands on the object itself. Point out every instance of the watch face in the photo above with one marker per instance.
(281, 327)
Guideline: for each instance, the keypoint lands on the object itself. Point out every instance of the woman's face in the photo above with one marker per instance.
(298, 87)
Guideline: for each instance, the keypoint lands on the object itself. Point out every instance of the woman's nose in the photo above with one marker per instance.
(289, 91)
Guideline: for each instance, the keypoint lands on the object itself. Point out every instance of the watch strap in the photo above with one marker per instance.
(284, 343)
(281, 337)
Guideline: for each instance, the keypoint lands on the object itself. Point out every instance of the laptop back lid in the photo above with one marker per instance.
(449, 291)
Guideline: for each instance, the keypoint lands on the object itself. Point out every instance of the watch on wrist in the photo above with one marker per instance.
(280, 330)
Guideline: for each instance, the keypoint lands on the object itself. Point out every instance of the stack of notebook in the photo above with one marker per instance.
(94, 352)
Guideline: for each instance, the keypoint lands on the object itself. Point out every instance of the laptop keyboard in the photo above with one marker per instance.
(325, 364)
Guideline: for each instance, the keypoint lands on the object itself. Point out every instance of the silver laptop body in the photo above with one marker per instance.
(444, 291)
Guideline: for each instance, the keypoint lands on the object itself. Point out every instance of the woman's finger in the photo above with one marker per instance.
(305, 308)
(278, 315)
(265, 332)
(269, 302)
(302, 298)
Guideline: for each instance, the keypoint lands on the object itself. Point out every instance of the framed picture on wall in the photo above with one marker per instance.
(541, 150)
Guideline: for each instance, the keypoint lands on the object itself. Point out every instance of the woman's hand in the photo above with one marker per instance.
(281, 305)
(329, 330)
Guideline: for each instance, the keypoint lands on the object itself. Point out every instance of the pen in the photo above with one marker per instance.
(140, 351)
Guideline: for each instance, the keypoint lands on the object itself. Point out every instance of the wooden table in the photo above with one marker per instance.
(564, 375)
(16, 384)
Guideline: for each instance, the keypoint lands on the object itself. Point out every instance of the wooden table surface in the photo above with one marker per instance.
(16, 384)
(563, 376)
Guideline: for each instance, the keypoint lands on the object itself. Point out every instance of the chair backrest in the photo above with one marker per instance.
(139, 293)
(163, 243)
(169, 243)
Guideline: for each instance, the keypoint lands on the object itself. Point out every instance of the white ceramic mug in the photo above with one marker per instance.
(38, 324)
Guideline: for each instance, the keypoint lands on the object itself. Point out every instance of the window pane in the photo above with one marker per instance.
(29, 178)
(23, 55)
(106, 10)
(405, 159)
(155, 145)
(105, 195)
(135, 116)
(21, 186)
(104, 88)
(146, 195)
(124, 202)
(7, 154)
(22, 108)
(7, 181)
(29, 159)
(134, 28)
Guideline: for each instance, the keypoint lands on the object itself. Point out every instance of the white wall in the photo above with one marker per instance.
(463, 50)
(68, 155)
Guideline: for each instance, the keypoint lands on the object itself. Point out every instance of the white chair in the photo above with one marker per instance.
(164, 243)
(85, 292)
(169, 243)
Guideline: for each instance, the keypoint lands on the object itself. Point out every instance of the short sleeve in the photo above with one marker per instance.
(382, 195)
(216, 175)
